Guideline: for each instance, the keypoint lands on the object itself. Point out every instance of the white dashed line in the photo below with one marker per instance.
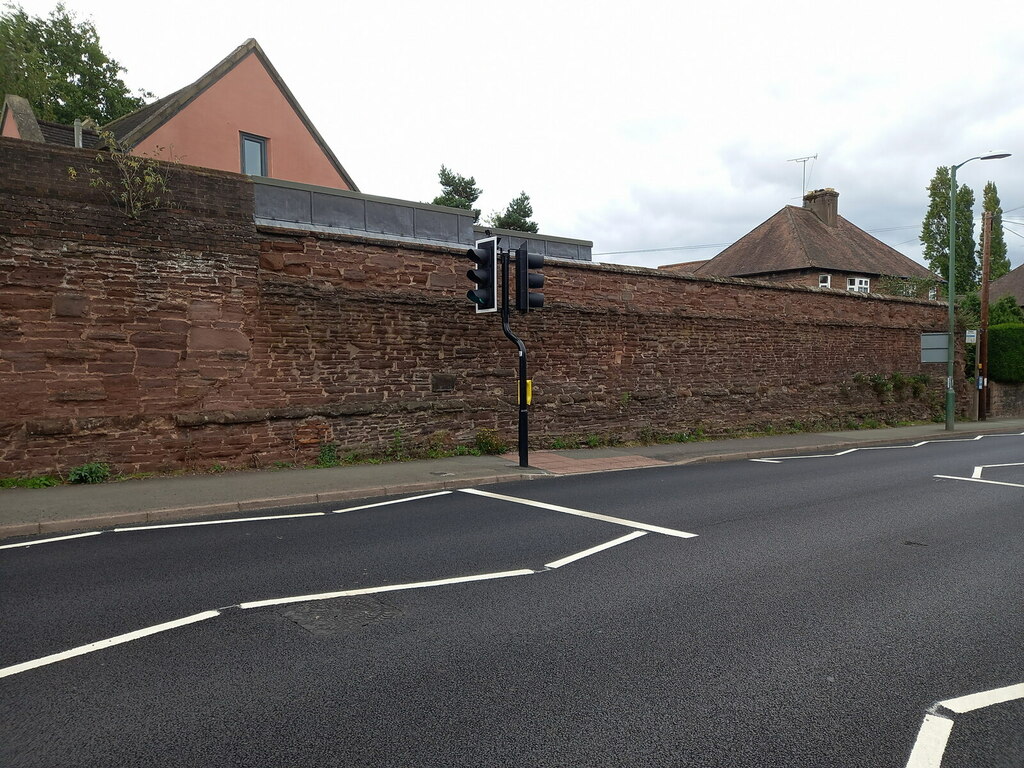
(978, 480)
(388, 588)
(595, 550)
(393, 501)
(582, 513)
(49, 541)
(110, 641)
(780, 459)
(984, 699)
(198, 523)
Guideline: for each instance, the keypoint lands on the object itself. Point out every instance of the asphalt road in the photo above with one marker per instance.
(824, 606)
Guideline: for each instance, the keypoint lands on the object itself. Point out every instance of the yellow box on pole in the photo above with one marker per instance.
(529, 393)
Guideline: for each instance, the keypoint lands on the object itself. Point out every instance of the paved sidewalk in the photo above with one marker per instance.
(32, 511)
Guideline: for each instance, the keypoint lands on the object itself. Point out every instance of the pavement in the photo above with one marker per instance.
(68, 508)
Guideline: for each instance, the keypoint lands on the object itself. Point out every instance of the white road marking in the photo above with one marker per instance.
(780, 459)
(978, 480)
(110, 641)
(931, 742)
(582, 513)
(198, 523)
(984, 699)
(595, 550)
(935, 730)
(50, 541)
(388, 588)
(393, 501)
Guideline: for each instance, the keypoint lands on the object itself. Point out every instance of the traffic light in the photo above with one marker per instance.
(526, 280)
(485, 275)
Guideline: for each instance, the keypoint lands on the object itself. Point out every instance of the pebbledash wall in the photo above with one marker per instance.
(226, 330)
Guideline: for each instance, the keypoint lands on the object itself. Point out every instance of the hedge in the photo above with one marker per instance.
(1006, 353)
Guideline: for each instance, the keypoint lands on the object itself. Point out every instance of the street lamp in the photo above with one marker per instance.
(950, 394)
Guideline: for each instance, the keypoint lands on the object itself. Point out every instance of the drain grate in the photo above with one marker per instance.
(333, 617)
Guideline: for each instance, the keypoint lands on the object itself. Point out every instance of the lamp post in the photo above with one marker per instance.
(950, 393)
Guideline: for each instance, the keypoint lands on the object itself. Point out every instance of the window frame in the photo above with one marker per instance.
(824, 281)
(858, 284)
(262, 142)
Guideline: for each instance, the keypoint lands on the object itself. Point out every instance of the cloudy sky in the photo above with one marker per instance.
(640, 125)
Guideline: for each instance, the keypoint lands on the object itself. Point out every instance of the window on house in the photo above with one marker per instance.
(859, 284)
(254, 155)
(933, 293)
(824, 281)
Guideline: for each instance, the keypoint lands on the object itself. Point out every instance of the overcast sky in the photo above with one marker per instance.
(637, 125)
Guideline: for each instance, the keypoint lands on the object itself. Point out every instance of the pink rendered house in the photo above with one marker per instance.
(240, 116)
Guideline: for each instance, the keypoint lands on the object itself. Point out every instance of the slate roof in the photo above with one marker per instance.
(1010, 284)
(796, 239)
(55, 133)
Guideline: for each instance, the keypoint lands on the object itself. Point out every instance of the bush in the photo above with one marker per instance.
(1006, 353)
(93, 472)
(489, 442)
(39, 481)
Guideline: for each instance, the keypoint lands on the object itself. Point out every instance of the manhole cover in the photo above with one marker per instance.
(332, 617)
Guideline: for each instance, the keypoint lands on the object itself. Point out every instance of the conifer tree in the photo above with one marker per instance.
(999, 263)
(458, 191)
(935, 231)
(516, 216)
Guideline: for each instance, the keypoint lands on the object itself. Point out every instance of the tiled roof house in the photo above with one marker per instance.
(812, 246)
(1010, 284)
(240, 116)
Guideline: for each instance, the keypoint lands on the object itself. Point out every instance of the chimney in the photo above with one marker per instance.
(824, 203)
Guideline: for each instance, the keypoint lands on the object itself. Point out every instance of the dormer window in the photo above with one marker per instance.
(254, 155)
(824, 281)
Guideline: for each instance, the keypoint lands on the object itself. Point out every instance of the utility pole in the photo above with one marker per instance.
(982, 361)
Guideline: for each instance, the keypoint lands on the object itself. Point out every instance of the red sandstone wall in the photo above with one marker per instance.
(190, 338)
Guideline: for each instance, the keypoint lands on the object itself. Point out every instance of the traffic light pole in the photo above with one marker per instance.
(524, 412)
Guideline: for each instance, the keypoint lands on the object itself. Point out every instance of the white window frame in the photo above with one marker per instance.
(858, 284)
(824, 281)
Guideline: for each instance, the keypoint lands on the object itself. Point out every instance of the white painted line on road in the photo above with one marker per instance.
(780, 459)
(582, 513)
(110, 641)
(984, 699)
(595, 550)
(50, 541)
(216, 522)
(388, 588)
(978, 480)
(931, 742)
(393, 501)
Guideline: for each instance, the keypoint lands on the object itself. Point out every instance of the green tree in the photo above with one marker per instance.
(516, 216)
(57, 64)
(458, 191)
(999, 263)
(935, 231)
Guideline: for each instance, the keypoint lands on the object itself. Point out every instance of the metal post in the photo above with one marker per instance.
(982, 348)
(524, 413)
(951, 298)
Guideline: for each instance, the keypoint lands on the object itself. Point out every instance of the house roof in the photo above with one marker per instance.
(1010, 284)
(683, 266)
(797, 239)
(133, 128)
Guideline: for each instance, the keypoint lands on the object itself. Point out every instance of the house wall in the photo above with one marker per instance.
(192, 337)
(810, 279)
(207, 131)
(9, 129)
